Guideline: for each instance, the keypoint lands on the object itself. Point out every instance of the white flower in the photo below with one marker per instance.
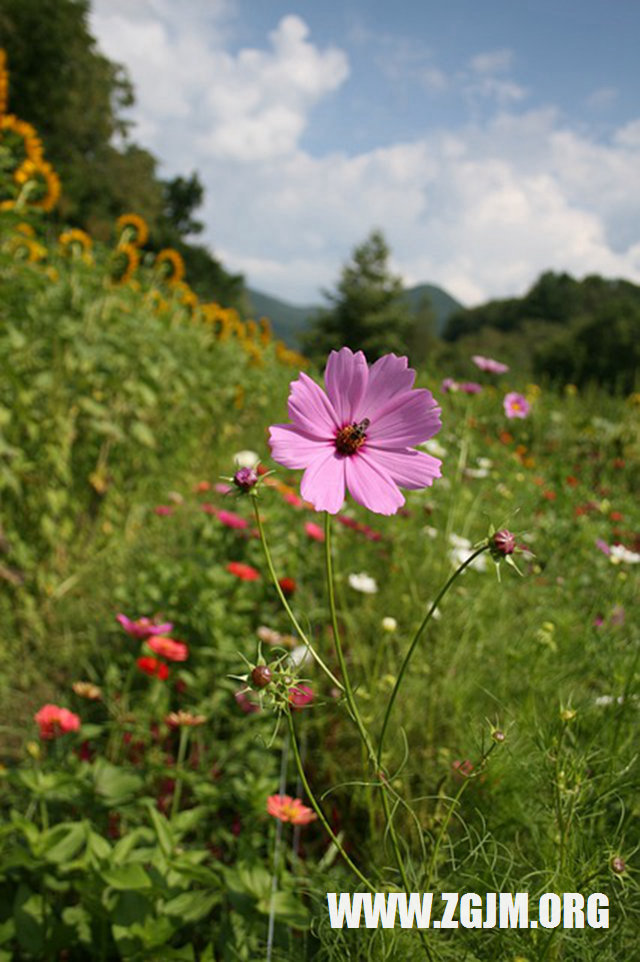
(434, 447)
(461, 549)
(299, 656)
(246, 459)
(619, 554)
(476, 473)
(389, 624)
(430, 532)
(363, 582)
(485, 463)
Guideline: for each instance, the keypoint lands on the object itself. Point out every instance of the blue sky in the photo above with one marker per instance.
(488, 140)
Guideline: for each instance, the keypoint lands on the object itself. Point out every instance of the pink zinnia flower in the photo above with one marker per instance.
(143, 627)
(516, 405)
(54, 721)
(232, 520)
(168, 648)
(488, 364)
(314, 531)
(289, 809)
(359, 435)
(243, 571)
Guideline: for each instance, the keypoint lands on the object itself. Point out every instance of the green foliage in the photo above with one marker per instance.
(568, 330)
(369, 312)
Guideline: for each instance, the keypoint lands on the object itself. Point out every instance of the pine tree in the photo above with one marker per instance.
(369, 312)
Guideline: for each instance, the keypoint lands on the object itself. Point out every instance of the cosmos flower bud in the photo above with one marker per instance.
(245, 479)
(503, 543)
(618, 865)
(261, 676)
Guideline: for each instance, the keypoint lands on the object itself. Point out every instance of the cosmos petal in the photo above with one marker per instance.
(371, 486)
(311, 410)
(408, 468)
(345, 377)
(293, 448)
(410, 418)
(323, 482)
(389, 376)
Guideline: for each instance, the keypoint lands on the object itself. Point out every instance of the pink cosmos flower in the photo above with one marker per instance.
(359, 435)
(54, 721)
(168, 648)
(314, 531)
(289, 809)
(449, 385)
(488, 364)
(143, 627)
(516, 405)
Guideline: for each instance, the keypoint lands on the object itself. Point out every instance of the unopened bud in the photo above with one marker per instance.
(618, 865)
(245, 479)
(261, 676)
(498, 736)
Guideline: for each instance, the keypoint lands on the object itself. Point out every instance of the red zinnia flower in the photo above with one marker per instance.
(168, 648)
(153, 666)
(288, 585)
(243, 571)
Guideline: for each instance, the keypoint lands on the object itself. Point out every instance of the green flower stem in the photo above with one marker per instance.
(416, 638)
(316, 807)
(445, 824)
(182, 751)
(348, 690)
(285, 603)
(357, 718)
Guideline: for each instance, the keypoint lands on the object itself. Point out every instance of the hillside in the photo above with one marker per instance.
(288, 320)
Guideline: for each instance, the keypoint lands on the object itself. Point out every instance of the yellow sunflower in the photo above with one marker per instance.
(123, 263)
(170, 257)
(133, 229)
(76, 236)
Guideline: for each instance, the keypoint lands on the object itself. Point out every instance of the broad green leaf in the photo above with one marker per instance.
(163, 830)
(191, 906)
(123, 877)
(286, 908)
(61, 843)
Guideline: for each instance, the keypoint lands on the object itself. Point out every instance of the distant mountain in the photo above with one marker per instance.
(289, 320)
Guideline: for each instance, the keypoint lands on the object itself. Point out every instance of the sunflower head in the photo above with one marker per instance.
(133, 229)
(171, 265)
(123, 262)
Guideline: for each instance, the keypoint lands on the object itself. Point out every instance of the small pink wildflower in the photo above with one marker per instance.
(603, 546)
(488, 364)
(168, 648)
(516, 405)
(300, 696)
(288, 809)
(143, 627)
(470, 387)
(449, 386)
(232, 520)
(243, 571)
(221, 488)
(360, 434)
(314, 531)
(54, 721)
(163, 510)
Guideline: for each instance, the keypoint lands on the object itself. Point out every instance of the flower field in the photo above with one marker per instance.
(231, 688)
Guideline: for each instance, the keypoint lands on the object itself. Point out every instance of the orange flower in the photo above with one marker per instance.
(289, 809)
(168, 648)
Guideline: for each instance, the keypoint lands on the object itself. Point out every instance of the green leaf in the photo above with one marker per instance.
(7, 930)
(143, 434)
(163, 830)
(77, 917)
(123, 877)
(191, 906)
(286, 908)
(28, 913)
(115, 784)
(98, 846)
(61, 843)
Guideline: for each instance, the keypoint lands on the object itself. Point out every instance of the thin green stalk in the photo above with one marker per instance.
(285, 603)
(416, 638)
(316, 807)
(182, 751)
(357, 718)
(348, 690)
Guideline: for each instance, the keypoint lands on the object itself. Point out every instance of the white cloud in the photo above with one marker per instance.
(480, 208)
